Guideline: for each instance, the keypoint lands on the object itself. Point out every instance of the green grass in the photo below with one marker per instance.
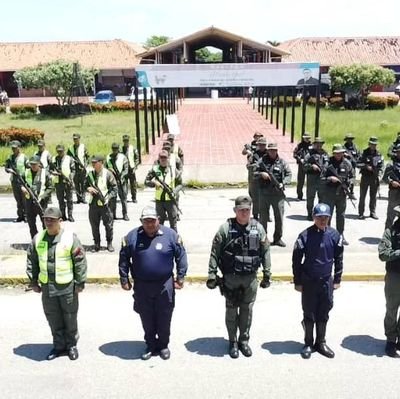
(98, 131)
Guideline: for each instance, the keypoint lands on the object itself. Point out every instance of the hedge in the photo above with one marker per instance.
(376, 102)
(2, 109)
(280, 99)
(313, 101)
(65, 110)
(25, 136)
(19, 109)
(336, 102)
(392, 101)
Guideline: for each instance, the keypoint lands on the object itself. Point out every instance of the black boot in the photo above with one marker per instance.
(233, 349)
(110, 247)
(320, 344)
(308, 326)
(390, 349)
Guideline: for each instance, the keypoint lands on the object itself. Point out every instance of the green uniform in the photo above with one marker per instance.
(58, 264)
(80, 156)
(254, 184)
(392, 174)
(133, 160)
(238, 259)
(299, 154)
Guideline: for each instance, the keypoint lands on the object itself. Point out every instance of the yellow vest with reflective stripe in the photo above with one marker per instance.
(80, 153)
(167, 177)
(63, 268)
(130, 155)
(101, 184)
(118, 161)
(65, 168)
(19, 165)
(44, 156)
(29, 180)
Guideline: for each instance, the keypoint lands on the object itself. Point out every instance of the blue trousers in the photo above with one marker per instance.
(317, 299)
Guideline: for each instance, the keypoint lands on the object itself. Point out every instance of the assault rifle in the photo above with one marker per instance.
(375, 170)
(99, 194)
(24, 184)
(117, 177)
(343, 185)
(170, 191)
(58, 172)
(76, 160)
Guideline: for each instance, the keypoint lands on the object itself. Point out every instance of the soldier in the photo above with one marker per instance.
(162, 177)
(63, 168)
(273, 173)
(148, 253)
(335, 184)
(391, 150)
(316, 250)
(175, 149)
(56, 267)
(353, 155)
(299, 154)
(133, 162)
(315, 163)
(17, 162)
(239, 248)
(118, 164)
(248, 149)
(79, 154)
(39, 181)
(102, 186)
(43, 154)
(392, 178)
(389, 252)
(371, 167)
(254, 188)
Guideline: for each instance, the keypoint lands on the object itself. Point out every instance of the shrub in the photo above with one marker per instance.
(122, 106)
(376, 102)
(100, 107)
(19, 109)
(323, 101)
(25, 136)
(336, 102)
(51, 109)
(280, 100)
(392, 101)
(2, 109)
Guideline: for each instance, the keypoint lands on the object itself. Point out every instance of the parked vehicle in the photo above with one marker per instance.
(141, 93)
(104, 97)
(397, 90)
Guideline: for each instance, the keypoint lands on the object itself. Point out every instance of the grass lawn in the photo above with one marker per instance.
(98, 131)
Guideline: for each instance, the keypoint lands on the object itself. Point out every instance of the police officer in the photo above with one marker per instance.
(239, 248)
(163, 172)
(371, 167)
(133, 162)
(316, 250)
(299, 154)
(391, 150)
(102, 187)
(43, 154)
(392, 178)
(118, 164)
(39, 181)
(274, 174)
(80, 155)
(175, 149)
(56, 267)
(353, 155)
(335, 182)
(63, 170)
(248, 149)
(389, 252)
(148, 254)
(315, 163)
(17, 162)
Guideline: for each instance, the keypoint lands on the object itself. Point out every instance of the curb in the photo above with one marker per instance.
(18, 280)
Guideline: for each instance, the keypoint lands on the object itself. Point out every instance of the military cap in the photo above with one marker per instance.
(243, 202)
(149, 212)
(115, 146)
(171, 137)
(257, 134)
(34, 160)
(306, 135)
(15, 144)
(60, 147)
(163, 153)
(262, 141)
(373, 140)
(321, 210)
(40, 143)
(272, 146)
(349, 136)
(166, 144)
(76, 136)
(97, 158)
(53, 213)
(319, 140)
(125, 137)
(338, 148)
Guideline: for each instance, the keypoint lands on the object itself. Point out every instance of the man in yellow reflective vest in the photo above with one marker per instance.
(133, 160)
(56, 267)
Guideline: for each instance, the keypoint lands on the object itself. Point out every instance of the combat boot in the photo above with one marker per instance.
(110, 247)
(308, 326)
(245, 349)
(390, 349)
(96, 247)
(126, 217)
(233, 349)
(320, 344)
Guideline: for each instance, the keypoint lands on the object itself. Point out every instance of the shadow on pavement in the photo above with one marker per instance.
(6, 220)
(283, 347)
(20, 246)
(37, 352)
(365, 345)
(297, 217)
(352, 216)
(127, 350)
(208, 346)
(370, 240)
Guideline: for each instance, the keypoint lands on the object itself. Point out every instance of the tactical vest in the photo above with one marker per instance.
(394, 265)
(63, 265)
(30, 181)
(130, 154)
(44, 156)
(78, 152)
(118, 162)
(65, 167)
(168, 177)
(19, 162)
(241, 254)
(101, 184)
(396, 173)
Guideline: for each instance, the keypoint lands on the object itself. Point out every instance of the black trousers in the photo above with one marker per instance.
(317, 299)
(154, 301)
(64, 197)
(97, 213)
(79, 183)
(19, 198)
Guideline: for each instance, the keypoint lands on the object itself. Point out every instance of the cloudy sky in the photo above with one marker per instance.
(261, 20)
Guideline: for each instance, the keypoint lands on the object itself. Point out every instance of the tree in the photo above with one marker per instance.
(274, 43)
(206, 56)
(61, 78)
(155, 41)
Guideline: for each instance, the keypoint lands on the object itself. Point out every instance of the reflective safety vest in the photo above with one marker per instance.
(101, 184)
(130, 154)
(63, 267)
(118, 161)
(20, 162)
(44, 156)
(65, 168)
(29, 180)
(79, 152)
(168, 177)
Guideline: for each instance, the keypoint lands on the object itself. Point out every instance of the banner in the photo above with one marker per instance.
(227, 75)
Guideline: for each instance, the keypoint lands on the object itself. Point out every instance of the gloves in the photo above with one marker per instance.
(211, 283)
(265, 283)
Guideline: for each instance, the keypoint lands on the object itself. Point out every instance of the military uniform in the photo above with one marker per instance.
(175, 149)
(392, 148)
(238, 251)
(299, 154)
(150, 261)
(353, 155)
(389, 252)
(315, 252)
(58, 264)
(391, 176)
(99, 208)
(133, 160)
(371, 166)
(44, 155)
(18, 162)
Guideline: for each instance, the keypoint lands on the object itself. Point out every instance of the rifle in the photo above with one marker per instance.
(169, 191)
(117, 177)
(220, 284)
(375, 170)
(60, 173)
(343, 185)
(76, 160)
(99, 194)
(24, 184)
(275, 184)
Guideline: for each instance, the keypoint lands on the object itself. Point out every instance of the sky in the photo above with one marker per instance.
(132, 20)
